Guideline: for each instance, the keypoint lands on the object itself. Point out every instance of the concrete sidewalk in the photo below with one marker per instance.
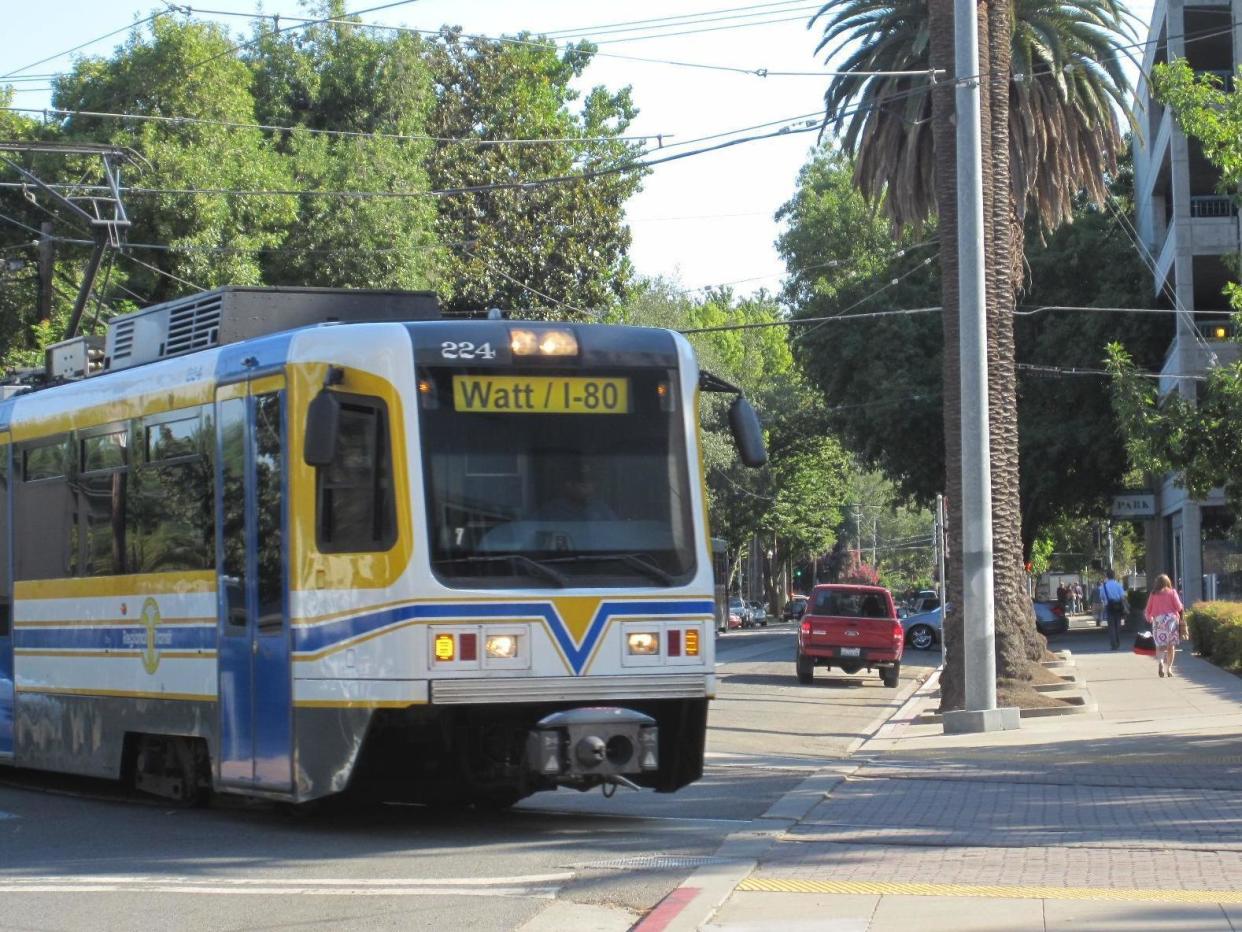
(1127, 817)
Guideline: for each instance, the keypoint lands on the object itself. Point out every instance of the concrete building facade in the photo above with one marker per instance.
(1191, 232)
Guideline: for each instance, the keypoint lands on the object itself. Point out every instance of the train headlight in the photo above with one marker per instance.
(643, 642)
(502, 646)
(445, 646)
(542, 342)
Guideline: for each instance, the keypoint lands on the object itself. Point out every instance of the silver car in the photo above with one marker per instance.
(923, 630)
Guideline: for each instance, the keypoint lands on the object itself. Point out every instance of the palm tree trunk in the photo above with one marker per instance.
(1017, 645)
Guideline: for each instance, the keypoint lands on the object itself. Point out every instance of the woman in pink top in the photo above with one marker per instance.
(1164, 613)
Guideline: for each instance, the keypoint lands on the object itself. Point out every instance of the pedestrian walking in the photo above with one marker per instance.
(1168, 626)
(1114, 607)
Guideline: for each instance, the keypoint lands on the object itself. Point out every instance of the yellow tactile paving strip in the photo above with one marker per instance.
(1020, 892)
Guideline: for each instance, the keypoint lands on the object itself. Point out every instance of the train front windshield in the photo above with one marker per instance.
(556, 479)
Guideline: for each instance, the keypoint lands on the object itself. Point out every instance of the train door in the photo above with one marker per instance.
(7, 673)
(255, 684)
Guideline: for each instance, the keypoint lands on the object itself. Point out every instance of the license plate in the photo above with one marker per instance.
(540, 394)
(851, 652)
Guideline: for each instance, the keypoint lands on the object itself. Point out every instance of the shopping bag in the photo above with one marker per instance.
(1145, 644)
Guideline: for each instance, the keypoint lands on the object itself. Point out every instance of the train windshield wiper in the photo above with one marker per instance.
(635, 561)
(533, 567)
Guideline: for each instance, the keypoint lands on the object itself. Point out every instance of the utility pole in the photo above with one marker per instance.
(979, 632)
(47, 264)
(1110, 546)
(940, 555)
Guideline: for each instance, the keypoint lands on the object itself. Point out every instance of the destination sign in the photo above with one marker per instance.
(538, 394)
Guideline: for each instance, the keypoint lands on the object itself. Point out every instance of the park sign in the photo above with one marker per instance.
(1134, 505)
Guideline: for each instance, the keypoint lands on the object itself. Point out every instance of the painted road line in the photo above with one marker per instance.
(1003, 891)
(539, 886)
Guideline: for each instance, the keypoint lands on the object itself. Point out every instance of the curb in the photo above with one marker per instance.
(696, 899)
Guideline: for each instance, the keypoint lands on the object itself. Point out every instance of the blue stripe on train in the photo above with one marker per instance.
(321, 637)
(134, 637)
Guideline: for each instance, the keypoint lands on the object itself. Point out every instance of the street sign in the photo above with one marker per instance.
(1134, 505)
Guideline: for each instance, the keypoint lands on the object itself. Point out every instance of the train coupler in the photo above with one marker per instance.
(589, 746)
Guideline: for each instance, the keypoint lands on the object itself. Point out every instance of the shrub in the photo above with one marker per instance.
(1227, 647)
(1212, 628)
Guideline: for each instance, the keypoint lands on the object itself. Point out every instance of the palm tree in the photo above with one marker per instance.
(1051, 75)
(1064, 79)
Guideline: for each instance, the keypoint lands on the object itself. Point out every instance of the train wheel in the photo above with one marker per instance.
(174, 767)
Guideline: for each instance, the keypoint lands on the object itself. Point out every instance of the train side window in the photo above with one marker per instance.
(44, 462)
(45, 511)
(102, 490)
(356, 510)
(168, 440)
(171, 507)
(269, 479)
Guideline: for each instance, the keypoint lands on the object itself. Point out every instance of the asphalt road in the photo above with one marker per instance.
(82, 855)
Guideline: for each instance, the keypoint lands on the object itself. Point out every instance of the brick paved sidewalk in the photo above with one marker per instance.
(1127, 818)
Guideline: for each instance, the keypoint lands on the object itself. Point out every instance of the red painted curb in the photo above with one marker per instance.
(666, 910)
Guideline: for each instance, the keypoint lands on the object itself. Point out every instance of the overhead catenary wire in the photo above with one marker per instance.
(83, 45)
(313, 131)
(760, 72)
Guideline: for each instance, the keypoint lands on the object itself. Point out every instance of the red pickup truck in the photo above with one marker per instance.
(850, 627)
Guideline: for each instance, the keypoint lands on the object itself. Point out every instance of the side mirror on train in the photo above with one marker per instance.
(323, 419)
(747, 433)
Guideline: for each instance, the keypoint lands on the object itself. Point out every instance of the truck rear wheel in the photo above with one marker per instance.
(889, 675)
(805, 667)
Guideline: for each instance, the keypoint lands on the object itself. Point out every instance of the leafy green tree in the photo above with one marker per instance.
(1198, 437)
(1038, 148)
(188, 70)
(540, 247)
(341, 78)
(881, 378)
(794, 504)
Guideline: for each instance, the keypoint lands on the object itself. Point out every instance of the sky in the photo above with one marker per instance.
(701, 221)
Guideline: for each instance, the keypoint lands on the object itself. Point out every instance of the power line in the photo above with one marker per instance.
(298, 25)
(558, 46)
(76, 48)
(352, 134)
(1064, 370)
(798, 321)
(587, 175)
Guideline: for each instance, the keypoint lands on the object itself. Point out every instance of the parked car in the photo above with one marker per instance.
(735, 621)
(1050, 619)
(739, 608)
(850, 627)
(759, 614)
(925, 601)
(794, 608)
(924, 630)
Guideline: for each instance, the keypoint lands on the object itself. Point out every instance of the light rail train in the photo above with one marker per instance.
(289, 542)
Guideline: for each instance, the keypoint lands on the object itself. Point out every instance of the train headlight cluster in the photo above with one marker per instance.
(502, 646)
(643, 642)
(479, 647)
(661, 643)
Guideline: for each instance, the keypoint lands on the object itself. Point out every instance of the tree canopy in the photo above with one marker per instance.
(362, 137)
(1199, 436)
(881, 377)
